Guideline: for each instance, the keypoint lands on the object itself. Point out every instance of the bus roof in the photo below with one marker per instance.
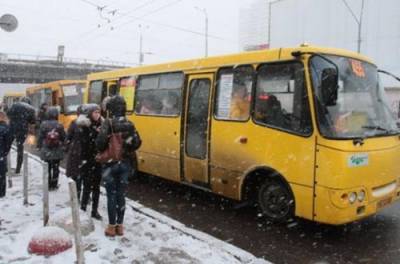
(53, 85)
(226, 60)
(14, 94)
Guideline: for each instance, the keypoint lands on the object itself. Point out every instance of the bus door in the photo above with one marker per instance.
(196, 130)
(47, 97)
(98, 90)
(112, 88)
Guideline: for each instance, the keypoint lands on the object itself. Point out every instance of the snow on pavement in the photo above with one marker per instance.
(150, 237)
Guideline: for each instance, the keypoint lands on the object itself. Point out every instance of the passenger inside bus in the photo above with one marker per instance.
(240, 104)
(169, 104)
(147, 106)
(269, 110)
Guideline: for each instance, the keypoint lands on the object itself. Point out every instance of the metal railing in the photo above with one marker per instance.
(15, 57)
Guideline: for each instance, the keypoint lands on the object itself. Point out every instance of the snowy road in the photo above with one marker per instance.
(150, 237)
(373, 240)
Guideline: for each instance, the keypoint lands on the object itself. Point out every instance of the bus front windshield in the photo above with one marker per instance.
(360, 109)
(73, 97)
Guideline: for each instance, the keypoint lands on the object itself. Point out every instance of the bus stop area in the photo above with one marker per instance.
(151, 237)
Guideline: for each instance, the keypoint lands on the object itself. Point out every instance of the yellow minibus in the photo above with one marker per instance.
(301, 131)
(67, 94)
(10, 98)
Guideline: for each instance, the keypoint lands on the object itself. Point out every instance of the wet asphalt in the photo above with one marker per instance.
(375, 239)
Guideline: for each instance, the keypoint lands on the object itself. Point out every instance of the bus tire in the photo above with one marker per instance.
(275, 201)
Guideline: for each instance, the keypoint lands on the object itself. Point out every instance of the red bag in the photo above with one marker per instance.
(114, 150)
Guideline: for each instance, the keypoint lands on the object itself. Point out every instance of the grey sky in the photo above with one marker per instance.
(44, 24)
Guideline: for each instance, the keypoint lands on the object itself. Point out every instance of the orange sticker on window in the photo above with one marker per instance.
(358, 68)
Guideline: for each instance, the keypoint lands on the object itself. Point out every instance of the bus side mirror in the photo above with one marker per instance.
(329, 86)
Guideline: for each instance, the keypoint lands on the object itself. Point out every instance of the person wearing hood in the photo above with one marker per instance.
(21, 115)
(89, 125)
(116, 171)
(74, 161)
(5, 145)
(50, 144)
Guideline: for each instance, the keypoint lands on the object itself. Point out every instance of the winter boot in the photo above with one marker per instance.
(119, 230)
(96, 215)
(110, 231)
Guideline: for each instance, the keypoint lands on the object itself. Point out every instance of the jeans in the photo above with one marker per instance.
(54, 171)
(115, 177)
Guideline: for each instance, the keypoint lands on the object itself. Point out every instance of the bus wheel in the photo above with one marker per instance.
(275, 201)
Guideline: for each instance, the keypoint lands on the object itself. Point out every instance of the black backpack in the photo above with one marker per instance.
(52, 139)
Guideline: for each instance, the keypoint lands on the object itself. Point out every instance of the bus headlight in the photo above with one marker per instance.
(361, 195)
(352, 197)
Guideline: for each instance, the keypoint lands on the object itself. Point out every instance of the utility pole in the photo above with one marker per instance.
(358, 21)
(141, 48)
(141, 53)
(204, 11)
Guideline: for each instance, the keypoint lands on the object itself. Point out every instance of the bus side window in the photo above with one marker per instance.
(159, 94)
(234, 88)
(96, 92)
(281, 97)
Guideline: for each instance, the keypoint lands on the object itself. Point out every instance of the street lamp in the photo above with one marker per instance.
(204, 11)
(358, 21)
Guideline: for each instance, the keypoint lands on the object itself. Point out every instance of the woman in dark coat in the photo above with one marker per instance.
(90, 170)
(74, 161)
(5, 145)
(50, 143)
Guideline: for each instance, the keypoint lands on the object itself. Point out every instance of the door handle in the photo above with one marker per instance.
(242, 140)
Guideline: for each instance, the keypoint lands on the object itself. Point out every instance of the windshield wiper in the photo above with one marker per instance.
(376, 128)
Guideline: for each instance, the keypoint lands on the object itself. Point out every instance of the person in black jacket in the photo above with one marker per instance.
(89, 124)
(116, 172)
(21, 115)
(5, 145)
(42, 115)
(50, 143)
(74, 161)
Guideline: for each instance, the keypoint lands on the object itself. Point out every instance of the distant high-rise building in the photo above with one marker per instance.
(325, 23)
(253, 22)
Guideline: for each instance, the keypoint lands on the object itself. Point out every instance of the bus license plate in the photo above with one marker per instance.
(384, 202)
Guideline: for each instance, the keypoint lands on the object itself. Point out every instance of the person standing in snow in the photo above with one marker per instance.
(74, 161)
(116, 172)
(5, 145)
(21, 115)
(50, 143)
(90, 170)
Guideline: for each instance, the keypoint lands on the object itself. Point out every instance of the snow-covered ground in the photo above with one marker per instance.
(149, 237)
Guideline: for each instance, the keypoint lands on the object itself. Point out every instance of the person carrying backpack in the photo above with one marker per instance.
(5, 145)
(118, 136)
(50, 143)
